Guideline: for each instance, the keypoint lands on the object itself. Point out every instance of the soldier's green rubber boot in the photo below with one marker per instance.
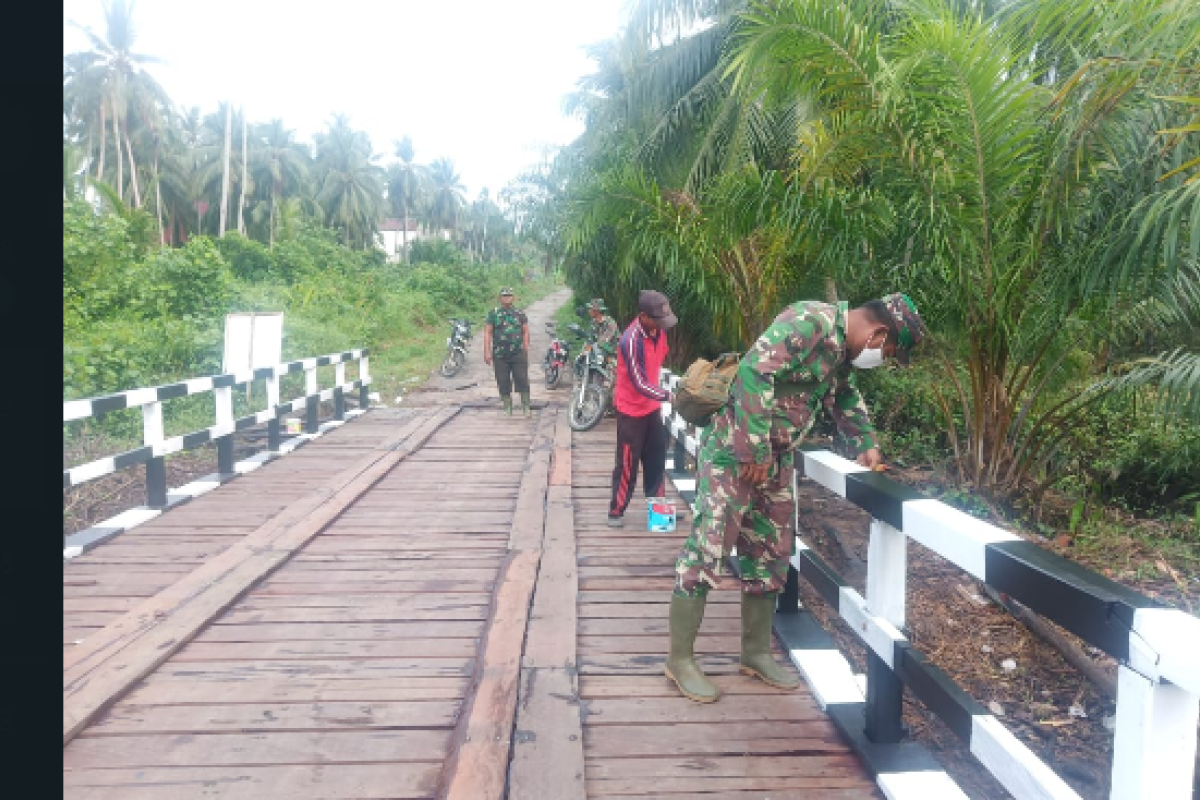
(686, 615)
(506, 401)
(758, 610)
(525, 406)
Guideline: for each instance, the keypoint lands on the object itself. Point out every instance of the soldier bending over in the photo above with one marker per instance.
(799, 364)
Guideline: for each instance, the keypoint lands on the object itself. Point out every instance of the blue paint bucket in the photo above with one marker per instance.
(660, 514)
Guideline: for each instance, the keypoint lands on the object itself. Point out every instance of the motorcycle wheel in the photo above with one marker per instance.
(552, 375)
(587, 407)
(451, 364)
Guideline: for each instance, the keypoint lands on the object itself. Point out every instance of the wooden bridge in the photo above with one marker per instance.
(423, 603)
(427, 603)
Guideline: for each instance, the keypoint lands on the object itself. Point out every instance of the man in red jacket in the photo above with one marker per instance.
(638, 398)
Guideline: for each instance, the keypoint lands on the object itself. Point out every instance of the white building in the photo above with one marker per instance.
(391, 236)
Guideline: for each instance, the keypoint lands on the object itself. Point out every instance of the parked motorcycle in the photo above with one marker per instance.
(456, 347)
(592, 394)
(557, 355)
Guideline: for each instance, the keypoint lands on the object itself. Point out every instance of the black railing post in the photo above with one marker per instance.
(156, 482)
(789, 598)
(310, 414)
(339, 404)
(363, 402)
(273, 438)
(885, 702)
(681, 454)
(225, 454)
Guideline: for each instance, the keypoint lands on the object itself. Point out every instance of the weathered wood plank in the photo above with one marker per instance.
(275, 717)
(314, 781)
(107, 664)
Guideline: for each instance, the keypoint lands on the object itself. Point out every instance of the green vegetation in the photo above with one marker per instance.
(1028, 171)
(173, 218)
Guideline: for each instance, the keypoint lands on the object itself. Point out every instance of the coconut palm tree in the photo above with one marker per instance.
(102, 82)
(446, 196)
(351, 183)
(406, 187)
(281, 165)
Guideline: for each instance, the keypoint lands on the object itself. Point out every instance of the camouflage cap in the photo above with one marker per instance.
(910, 329)
(506, 291)
(597, 304)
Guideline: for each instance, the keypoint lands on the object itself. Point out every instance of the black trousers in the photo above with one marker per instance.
(640, 440)
(512, 370)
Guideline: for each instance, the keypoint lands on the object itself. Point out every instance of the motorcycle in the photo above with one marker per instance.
(556, 358)
(456, 347)
(592, 394)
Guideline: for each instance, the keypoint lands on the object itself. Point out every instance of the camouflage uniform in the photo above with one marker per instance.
(509, 359)
(796, 366)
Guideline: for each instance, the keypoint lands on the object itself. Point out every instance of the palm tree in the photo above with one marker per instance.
(102, 81)
(282, 165)
(406, 186)
(446, 196)
(351, 184)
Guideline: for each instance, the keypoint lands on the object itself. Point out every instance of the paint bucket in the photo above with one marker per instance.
(292, 426)
(660, 514)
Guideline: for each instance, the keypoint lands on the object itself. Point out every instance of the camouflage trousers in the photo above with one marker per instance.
(757, 519)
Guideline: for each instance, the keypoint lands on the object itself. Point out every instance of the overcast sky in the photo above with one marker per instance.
(478, 81)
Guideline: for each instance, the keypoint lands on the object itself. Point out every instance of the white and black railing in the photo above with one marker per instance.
(156, 445)
(1158, 648)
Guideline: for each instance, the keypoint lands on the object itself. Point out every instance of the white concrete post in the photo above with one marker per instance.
(1154, 750)
(887, 572)
(152, 424)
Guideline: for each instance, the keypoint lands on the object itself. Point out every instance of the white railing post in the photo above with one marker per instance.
(223, 398)
(886, 570)
(1154, 749)
(153, 435)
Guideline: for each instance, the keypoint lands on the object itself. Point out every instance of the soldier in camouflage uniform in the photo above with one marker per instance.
(800, 364)
(506, 347)
(604, 328)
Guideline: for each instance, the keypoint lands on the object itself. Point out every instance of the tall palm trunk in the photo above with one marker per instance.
(103, 144)
(404, 234)
(137, 195)
(271, 224)
(120, 160)
(162, 233)
(225, 171)
(245, 165)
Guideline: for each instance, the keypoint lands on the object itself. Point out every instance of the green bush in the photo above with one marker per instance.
(247, 259)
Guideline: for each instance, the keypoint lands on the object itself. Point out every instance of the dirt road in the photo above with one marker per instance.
(476, 382)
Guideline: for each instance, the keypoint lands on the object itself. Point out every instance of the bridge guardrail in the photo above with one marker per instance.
(1158, 648)
(156, 446)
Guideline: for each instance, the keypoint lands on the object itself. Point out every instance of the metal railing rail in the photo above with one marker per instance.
(156, 446)
(1158, 648)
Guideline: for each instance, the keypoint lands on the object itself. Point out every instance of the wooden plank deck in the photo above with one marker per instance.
(641, 738)
(462, 625)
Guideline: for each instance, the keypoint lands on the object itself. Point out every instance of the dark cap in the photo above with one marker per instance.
(656, 306)
(506, 291)
(910, 329)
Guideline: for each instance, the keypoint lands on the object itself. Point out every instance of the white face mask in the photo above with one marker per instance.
(869, 358)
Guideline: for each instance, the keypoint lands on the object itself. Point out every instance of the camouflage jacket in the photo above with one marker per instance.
(607, 333)
(797, 365)
(507, 337)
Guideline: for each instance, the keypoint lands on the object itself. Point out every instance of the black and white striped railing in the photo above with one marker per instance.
(156, 446)
(1159, 648)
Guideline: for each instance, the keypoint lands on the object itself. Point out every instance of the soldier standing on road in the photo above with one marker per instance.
(604, 328)
(506, 348)
(799, 364)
